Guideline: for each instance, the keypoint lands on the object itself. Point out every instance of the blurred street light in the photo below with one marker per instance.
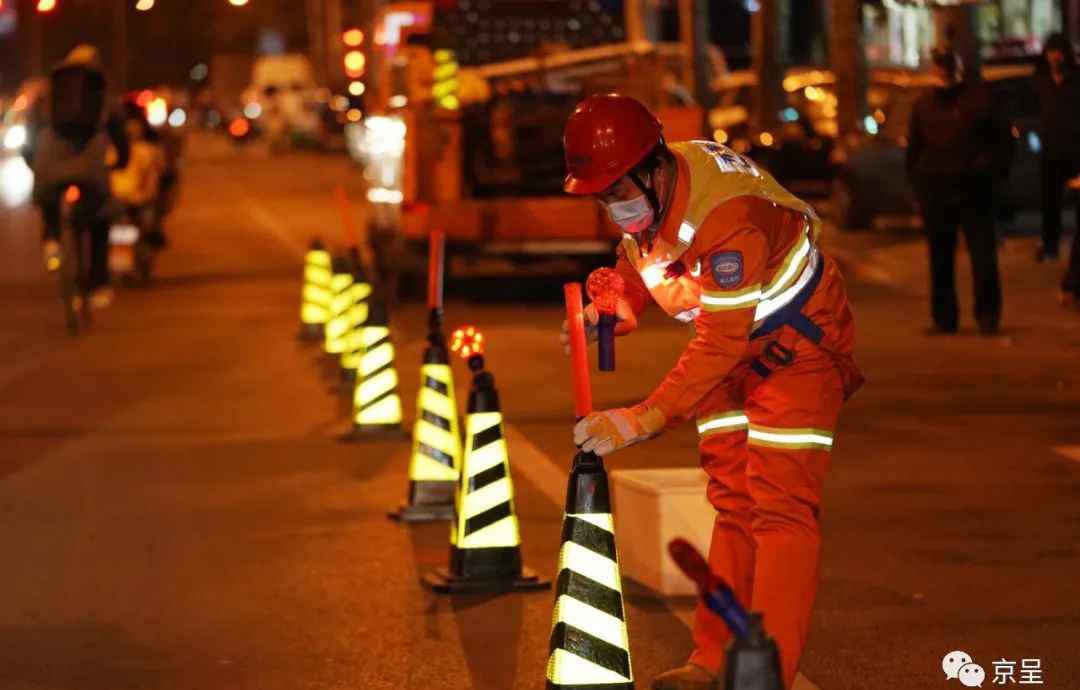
(357, 88)
(238, 3)
(353, 38)
(45, 6)
(144, 5)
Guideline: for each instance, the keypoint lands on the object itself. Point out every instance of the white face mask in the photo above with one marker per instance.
(633, 215)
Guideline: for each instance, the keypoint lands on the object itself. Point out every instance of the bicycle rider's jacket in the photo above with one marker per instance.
(736, 255)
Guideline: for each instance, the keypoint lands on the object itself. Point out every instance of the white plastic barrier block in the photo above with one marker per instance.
(651, 508)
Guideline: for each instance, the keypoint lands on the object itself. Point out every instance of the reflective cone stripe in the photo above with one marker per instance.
(589, 642)
(337, 325)
(485, 516)
(315, 296)
(375, 399)
(358, 316)
(436, 452)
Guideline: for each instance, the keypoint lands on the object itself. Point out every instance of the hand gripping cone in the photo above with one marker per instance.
(485, 544)
(436, 453)
(341, 302)
(376, 404)
(357, 319)
(589, 645)
(315, 296)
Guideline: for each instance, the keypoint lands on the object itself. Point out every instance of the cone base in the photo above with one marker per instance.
(311, 331)
(593, 686)
(374, 432)
(441, 580)
(432, 512)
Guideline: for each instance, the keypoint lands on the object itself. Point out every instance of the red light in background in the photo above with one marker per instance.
(144, 98)
(605, 287)
(72, 194)
(467, 341)
(239, 127)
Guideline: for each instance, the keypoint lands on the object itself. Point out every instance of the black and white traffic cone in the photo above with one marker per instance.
(341, 302)
(485, 540)
(315, 295)
(357, 320)
(376, 403)
(589, 644)
(436, 453)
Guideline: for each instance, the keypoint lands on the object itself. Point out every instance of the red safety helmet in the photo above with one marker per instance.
(606, 136)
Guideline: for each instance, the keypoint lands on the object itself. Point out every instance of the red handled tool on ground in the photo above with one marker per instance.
(605, 287)
(753, 661)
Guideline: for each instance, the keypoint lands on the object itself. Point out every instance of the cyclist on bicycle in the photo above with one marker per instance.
(77, 145)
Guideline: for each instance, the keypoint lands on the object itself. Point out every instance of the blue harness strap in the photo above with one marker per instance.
(790, 315)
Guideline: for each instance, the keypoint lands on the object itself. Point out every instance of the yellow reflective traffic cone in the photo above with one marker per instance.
(590, 647)
(341, 302)
(376, 404)
(485, 542)
(436, 453)
(315, 296)
(357, 319)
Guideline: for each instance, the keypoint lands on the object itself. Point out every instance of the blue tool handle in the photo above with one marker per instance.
(723, 603)
(606, 341)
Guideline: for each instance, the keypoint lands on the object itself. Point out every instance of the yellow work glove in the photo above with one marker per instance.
(625, 322)
(607, 431)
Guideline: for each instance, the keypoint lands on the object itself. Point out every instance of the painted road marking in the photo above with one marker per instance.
(543, 473)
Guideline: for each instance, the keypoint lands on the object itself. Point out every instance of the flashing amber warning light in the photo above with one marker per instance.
(605, 287)
(467, 341)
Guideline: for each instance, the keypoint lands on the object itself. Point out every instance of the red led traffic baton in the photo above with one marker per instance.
(605, 287)
(579, 355)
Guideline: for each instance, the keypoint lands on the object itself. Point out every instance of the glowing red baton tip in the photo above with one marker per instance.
(467, 341)
(605, 287)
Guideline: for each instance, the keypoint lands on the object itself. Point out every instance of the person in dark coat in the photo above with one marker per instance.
(1058, 86)
(78, 141)
(959, 148)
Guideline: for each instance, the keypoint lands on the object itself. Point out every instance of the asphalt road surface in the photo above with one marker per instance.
(176, 511)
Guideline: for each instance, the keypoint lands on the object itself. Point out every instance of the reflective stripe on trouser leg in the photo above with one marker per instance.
(436, 452)
(485, 516)
(376, 400)
(722, 422)
(794, 439)
(589, 642)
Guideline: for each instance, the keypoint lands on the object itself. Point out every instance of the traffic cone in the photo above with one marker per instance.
(436, 453)
(376, 404)
(341, 302)
(357, 319)
(315, 295)
(589, 645)
(485, 543)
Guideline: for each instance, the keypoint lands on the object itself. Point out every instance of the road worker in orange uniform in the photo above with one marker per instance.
(714, 241)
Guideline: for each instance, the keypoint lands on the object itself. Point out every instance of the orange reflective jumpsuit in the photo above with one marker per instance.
(764, 377)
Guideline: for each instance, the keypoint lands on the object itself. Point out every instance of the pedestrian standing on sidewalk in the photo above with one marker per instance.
(959, 149)
(1058, 86)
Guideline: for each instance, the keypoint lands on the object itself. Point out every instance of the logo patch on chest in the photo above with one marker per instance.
(727, 268)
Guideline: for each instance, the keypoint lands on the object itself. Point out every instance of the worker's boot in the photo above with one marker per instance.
(689, 677)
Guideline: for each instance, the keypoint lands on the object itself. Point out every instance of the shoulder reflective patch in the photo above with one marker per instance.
(727, 268)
